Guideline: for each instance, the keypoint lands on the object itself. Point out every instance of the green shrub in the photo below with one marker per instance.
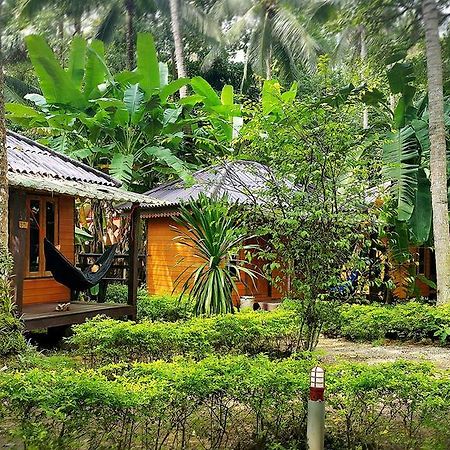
(12, 340)
(169, 308)
(104, 340)
(231, 402)
(412, 320)
(225, 402)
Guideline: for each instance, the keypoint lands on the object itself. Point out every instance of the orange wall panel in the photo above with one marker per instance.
(167, 259)
(46, 289)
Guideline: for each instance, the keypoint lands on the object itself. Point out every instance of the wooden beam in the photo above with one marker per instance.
(17, 242)
(133, 269)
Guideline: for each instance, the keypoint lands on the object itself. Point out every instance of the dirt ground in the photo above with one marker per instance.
(335, 350)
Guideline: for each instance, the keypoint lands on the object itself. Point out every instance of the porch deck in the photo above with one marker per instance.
(43, 315)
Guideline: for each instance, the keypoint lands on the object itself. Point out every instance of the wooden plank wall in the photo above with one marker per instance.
(167, 259)
(40, 290)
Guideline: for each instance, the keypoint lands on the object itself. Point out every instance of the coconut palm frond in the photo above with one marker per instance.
(15, 90)
(228, 9)
(110, 22)
(201, 22)
(293, 34)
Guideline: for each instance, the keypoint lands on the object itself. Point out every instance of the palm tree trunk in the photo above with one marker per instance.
(130, 9)
(60, 32)
(77, 25)
(3, 159)
(363, 55)
(175, 23)
(438, 156)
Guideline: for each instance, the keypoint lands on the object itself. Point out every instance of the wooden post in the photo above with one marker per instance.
(133, 258)
(17, 242)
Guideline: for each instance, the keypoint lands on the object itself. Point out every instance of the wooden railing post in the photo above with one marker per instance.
(17, 242)
(133, 258)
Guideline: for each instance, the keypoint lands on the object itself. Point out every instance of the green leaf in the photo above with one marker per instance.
(373, 97)
(147, 64)
(77, 60)
(95, 69)
(421, 218)
(271, 97)
(171, 88)
(121, 167)
(166, 157)
(17, 110)
(171, 115)
(191, 100)
(55, 83)
(400, 75)
(400, 165)
(227, 96)
(203, 88)
(422, 135)
(396, 57)
(133, 98)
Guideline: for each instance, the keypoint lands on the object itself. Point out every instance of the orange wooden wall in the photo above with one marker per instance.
(167, 259)
(46, 289)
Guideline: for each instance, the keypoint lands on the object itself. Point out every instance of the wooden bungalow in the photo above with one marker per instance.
(240, 181)
(43, 186)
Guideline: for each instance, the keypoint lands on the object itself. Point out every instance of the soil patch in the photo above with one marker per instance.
(336, 350)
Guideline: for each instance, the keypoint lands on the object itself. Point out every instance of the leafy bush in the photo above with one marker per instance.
(103, 340)
(410, 320)
(225, 402)
(168, 308)
(232, 402)
(11, 337)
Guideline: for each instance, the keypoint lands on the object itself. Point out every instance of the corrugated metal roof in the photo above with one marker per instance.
(34, 166)
(28, 157)
(80, 189)
(240, 180)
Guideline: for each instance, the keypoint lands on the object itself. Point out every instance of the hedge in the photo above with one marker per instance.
(168, 308)
(104, 340)
(225, 402)
(412, 320)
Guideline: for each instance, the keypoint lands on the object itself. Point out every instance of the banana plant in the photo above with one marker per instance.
(406, 155)
(129, 123)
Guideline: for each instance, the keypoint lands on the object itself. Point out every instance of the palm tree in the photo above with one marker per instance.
(179, 12)
(438, 150)
(175, 24)
(3, 157)
(276, 30)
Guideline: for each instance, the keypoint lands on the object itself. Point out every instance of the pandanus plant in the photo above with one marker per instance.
(209, 227)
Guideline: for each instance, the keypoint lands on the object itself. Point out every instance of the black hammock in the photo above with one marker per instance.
(67, 274)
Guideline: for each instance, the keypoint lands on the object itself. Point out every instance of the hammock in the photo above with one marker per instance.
(67, 274)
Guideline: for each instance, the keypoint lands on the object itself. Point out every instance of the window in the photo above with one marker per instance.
(43, 222)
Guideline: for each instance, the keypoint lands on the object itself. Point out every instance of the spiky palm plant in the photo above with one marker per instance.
(210, 229)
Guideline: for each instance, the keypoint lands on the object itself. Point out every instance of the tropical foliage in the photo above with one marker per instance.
(128, 123)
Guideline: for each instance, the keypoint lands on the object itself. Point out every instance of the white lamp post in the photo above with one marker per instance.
(316, 410)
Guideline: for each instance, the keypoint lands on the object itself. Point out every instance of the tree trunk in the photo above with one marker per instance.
(3, 158)
(438, 156)
(363, 54)
(130, 10)
(77, 25)
(60, 32)
(178, 42)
